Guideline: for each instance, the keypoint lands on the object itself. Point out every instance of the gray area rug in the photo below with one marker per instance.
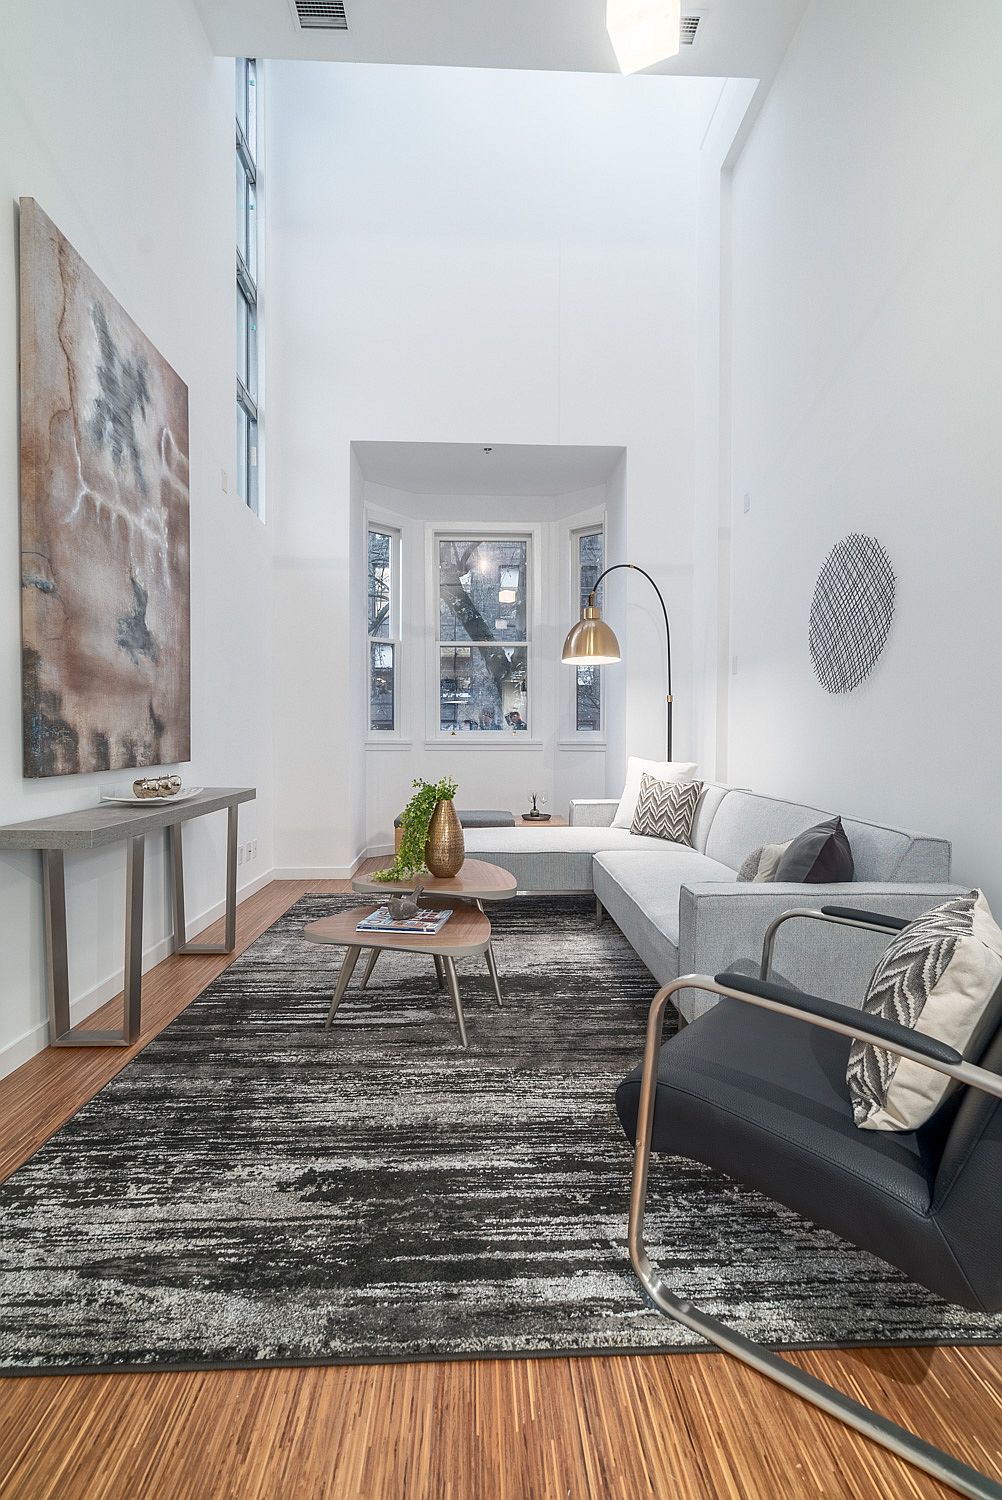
(255, 1189)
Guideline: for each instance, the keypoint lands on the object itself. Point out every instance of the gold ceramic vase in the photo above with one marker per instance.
(445, 850)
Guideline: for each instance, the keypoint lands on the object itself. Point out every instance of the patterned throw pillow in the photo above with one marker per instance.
(762, 863)
(665, 809)
(941, 975)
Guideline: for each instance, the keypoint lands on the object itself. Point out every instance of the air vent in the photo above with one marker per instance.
(320, 15)
(687, 34)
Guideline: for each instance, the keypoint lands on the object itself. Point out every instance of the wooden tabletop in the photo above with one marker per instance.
(476, 881)
(553, 821)
(467, 931)
(110, 822)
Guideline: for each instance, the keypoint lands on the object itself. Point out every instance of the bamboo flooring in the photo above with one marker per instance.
(676, 1427)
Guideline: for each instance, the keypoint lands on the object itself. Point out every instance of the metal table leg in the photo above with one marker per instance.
(451, 976)
(174, 844)
(347, 970)
(61, 1034)
(492, 967)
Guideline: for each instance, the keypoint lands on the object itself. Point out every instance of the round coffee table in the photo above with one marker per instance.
(466, 932)
(476, 882)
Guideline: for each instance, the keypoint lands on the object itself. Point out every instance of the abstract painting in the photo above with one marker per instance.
(104, 524)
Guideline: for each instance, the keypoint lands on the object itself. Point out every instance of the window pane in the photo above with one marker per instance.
(242, 322)
(250, 128)
(250, 230)
(483, 689)
(588, 680)
(243, 452)
(380, 556)
(588, 698)
(241, 208)
(381, 672)
(242, 93)
(591, 561)
(482, 590)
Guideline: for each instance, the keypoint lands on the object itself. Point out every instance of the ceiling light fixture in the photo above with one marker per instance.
(643, 32)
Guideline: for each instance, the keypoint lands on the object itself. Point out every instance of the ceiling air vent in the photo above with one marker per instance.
(320, 15)
(687, 34)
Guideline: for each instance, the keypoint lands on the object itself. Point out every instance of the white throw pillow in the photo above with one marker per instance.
(661, 770)
(940, 975)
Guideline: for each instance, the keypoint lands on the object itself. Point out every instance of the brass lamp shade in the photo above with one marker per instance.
(591, 642)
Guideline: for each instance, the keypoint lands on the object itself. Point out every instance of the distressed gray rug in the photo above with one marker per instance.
(254, 1189)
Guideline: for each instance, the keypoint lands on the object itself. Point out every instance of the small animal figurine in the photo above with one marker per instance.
(406, 905)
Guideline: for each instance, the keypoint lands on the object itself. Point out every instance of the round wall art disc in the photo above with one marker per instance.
(852, 612)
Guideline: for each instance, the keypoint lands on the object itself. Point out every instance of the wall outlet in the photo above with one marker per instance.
(253, 848)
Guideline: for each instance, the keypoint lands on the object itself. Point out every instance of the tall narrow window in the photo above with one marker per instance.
(383, 628)
(483, 634)
(589, 560)
(248, 384)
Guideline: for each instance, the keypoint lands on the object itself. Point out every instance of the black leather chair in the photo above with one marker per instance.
(756, 1088)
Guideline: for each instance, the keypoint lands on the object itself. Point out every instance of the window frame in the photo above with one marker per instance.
(435, 737)
(395, 736)
(592, 524)
(248, 279)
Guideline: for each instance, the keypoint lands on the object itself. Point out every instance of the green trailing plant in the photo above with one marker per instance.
(414, 822)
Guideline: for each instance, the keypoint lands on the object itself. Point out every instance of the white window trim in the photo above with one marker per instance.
(571, 737)
(514, 738)
(395, 738)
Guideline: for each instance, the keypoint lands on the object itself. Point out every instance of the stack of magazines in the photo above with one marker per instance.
(425, 921)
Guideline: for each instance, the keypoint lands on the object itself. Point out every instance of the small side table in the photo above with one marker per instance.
(552, 822)
(466, 932)
(476, 882)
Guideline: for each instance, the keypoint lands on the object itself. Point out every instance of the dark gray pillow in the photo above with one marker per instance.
(818, 856)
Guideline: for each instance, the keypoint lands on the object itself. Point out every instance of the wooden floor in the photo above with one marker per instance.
(679, 1427)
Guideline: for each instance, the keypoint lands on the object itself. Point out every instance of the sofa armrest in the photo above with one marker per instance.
(722, 925)
(593, 812)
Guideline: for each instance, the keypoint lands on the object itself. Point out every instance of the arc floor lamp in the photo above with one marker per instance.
(592, 643)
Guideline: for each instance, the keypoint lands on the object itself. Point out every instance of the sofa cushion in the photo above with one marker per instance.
(819, 856)
(663, 770)
(646, 886)
(665, 809)
(551, 859)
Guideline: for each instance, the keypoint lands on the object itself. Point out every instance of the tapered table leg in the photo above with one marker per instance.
(373, 956)
(453, 980)
(492, 967)
(439, 971)
(343, 979)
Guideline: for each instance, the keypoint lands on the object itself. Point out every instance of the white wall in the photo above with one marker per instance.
(118, 120)
(867, 366)
(471, 257)
(493, 775)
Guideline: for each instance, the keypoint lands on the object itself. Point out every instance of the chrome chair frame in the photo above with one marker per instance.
(942, 1466)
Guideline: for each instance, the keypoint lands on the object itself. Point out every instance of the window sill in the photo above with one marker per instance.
(583, 742)
(472, 742)
(390, 743)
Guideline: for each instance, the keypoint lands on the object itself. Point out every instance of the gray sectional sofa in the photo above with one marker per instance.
(684, 910)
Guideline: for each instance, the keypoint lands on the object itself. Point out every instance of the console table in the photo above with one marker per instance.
(115, 823)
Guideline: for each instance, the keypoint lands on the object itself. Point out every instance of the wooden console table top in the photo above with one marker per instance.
(111, 822)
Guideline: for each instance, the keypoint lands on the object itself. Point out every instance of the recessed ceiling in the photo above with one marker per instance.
(466, 469)
(735, 38)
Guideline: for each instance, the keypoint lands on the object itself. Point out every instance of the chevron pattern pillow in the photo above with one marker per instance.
(665, 809)
(941, 975)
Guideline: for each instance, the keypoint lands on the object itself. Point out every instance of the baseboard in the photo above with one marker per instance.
(327, 872)
(36, 1038)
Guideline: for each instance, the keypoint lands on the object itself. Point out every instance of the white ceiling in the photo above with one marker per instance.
(735, 39)
(465, 469)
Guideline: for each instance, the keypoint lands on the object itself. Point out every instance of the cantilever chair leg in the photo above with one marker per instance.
(899, 1440)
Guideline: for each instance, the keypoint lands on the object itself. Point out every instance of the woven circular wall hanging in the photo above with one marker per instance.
(852, 612)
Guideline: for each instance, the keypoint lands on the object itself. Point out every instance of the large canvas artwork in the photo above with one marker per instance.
(104, 524)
